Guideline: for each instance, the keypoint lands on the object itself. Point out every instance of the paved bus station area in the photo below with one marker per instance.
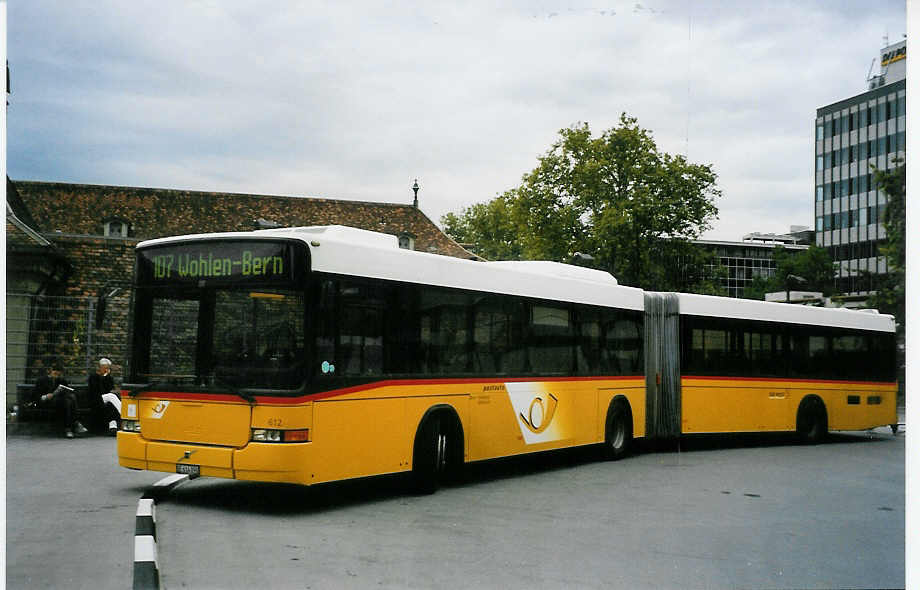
(752, 512)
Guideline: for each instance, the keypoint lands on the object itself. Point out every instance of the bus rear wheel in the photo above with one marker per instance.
(618, 431)
(811, 421)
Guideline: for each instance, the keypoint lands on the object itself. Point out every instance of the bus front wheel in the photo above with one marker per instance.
(432, 454)
(618, 430)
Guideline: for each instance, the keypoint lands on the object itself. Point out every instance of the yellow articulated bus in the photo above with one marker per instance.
(315, 354)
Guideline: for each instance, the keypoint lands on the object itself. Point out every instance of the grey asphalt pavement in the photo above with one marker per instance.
(69, 513)
(752, 512)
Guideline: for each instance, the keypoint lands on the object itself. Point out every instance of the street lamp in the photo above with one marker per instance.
(586, 259)
(415, 190)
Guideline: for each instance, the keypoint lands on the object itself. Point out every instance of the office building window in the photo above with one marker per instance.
(819, 132)
(819, 164)
(819, 193)
(863, 217)
(819, 223)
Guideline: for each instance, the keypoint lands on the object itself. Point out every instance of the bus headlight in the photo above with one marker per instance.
(280, 436)
(131, 425)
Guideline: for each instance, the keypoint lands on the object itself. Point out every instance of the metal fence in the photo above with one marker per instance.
(42, 330)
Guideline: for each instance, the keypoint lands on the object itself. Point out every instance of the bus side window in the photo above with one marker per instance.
(498, 336)
(324, 327)
(851, 354)
(550, 339)
(588, 342)
(443, 331)
(818, 354)
(360, 346)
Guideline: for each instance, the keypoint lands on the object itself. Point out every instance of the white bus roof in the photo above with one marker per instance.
(344, 250)
(748, 309)
(350, 251)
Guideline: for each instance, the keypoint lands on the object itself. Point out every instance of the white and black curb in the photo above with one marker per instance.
(146, 566)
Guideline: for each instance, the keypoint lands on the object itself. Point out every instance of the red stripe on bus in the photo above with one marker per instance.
(785, 380)
(277, 400)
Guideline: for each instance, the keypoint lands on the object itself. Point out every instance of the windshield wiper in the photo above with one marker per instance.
(251, 399)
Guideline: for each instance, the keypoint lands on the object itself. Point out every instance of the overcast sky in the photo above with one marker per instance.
(356, 100)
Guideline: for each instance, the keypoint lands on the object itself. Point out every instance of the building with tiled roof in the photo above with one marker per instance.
(76, 242)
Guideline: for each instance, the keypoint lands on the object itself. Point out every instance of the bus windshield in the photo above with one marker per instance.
(219, 339)
(221, 315)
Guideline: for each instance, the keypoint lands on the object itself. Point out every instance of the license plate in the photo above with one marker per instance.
(188, 469)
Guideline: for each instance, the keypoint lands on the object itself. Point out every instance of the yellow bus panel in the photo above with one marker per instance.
(713, 405)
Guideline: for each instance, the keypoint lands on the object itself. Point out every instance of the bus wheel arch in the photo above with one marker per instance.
(618, 428)
(811, 420)
(437, 452)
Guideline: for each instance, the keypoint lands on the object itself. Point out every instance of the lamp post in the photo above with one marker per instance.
(580, 259)
(415, 190)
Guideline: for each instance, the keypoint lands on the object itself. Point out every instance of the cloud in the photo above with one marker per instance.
(356, 100)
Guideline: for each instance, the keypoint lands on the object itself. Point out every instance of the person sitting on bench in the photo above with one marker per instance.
(52, 391)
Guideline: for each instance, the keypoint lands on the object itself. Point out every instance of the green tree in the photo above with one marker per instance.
(890, 293)
(615, 197)
(891, 287)
(796, 270)
(486, 229)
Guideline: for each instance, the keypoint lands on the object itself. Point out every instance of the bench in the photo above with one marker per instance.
(46, 413)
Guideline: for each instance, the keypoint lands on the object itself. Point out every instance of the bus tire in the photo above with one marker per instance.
(811, 421)
(618, 430)
(437, 452)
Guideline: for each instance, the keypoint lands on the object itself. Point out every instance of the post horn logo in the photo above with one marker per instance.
(540, 415)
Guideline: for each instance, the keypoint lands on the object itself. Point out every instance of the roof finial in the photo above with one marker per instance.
(415, 190)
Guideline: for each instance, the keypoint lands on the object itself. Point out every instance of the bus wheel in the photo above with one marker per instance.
(618, 431)
(430, 455)
(811, 421)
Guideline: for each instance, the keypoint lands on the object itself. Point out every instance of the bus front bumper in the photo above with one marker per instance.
(271, 462)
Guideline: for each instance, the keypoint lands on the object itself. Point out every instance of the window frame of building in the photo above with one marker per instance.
(109, 225)
(406, 241)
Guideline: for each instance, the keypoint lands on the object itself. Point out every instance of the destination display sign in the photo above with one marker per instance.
(223, 261)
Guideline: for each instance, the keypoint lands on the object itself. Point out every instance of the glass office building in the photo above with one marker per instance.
(753, 257)
(853, 136)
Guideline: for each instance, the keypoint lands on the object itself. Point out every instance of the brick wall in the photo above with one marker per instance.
(71, 217)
